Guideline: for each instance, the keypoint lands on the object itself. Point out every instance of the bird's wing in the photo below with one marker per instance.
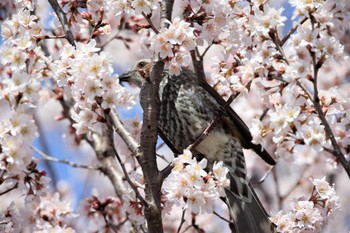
(243, 132)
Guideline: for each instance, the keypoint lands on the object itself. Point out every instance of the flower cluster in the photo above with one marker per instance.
(51, 211)
(133, 206)
(98, 213)
(292, 82)
(311, 214)
(189, 182)
(137, 7)
(23, 67)
(131, 201)
(286, 71)
(40, 214)
(89, 80)
(241, 30)
(174, 43)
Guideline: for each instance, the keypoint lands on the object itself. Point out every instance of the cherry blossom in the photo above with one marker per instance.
(290, 83)
(190, 181)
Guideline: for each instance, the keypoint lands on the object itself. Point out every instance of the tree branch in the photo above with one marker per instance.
(222, 218)
(126, 175)
(149, 21)
(104, 148)
(64, 161)
(127, 137)
(167, 11)
(113, 122)
(146, 155)
(182, 220)
(277, 190)
(336, 148)
(201, 57)
(110, 224)
(262, 179)
(10, 189)
(198, 65)
(292, 30)
(165, 172)
(64, 22)
(316, 101)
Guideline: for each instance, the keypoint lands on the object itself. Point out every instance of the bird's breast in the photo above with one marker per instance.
(214, 144)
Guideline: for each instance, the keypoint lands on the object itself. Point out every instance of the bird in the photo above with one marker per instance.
(188, 104)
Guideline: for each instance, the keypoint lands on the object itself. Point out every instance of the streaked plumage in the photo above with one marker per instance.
(187, 106)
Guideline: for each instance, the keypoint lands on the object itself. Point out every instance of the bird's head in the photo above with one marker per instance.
(138, 74)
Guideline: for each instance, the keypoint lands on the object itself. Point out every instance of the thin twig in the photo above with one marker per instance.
(285, 195)
(328, 150)
(64, 22)
(167, 11)
(45, 37)
(278, 45)
(66, 112)
(116, 36)
(5, 222)
(182, 220)
(64, 161)
(198, 66)
(276, 41)
(149, 21)
(10, 189)
(292, 30)
(315, 99)
(222, 218)
(201, 57)
(305, 90)
(2, 174)
(336, 148)
(109, 224)
(15, 177)
(163, 158)
(109, 41)
(291, 189)
(127, 178)
(263, 115)
(107, 158)
(187, 228)
(165, 172)
(122, 223)
(281, 197)
(262, 179)
(277, 190)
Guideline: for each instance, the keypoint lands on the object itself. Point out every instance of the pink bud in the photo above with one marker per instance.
(86, 15)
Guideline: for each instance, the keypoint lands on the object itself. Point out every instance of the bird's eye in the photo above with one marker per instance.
(141, 64)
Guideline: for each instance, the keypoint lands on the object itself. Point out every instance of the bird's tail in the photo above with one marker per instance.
(246, 210)
(249, 217)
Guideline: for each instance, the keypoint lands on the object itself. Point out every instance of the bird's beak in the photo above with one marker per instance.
(124, 77)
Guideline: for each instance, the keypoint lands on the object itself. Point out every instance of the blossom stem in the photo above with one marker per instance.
(182, 220)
